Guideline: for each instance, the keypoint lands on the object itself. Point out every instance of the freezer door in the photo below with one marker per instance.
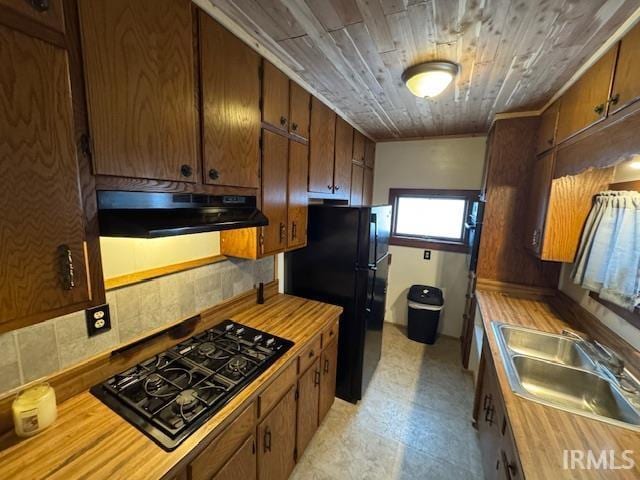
(374, 318)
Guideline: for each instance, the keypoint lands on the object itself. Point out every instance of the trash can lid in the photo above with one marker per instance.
(426, 295)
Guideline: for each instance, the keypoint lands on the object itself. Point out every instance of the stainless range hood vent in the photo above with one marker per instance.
(153, 215)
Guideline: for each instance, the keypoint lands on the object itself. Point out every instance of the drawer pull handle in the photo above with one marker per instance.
(267, 440)
(312, 354)
(326, 365)
(316, 379)
(487, 401)
(599, 109)
(510, 468)
(283, 120)
(488, 416)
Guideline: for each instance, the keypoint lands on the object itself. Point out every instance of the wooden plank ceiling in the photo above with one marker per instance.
(514, 55)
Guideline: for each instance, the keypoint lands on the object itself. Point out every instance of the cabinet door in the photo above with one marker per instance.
(242, 465)
(274, 191)
(297, 193)
(358, 147)
(41, 230)
(342, 168)
(369, 153)
(489, 419)
(585, 102)
(357, 181)
(328, 364)
(230, 83)
(547, 129)
(138, 64)
(48, 13)
(321, 145)
(308, 398)
(367, 187)
(539, 200)
(299, 110)
(275, 97)
(626, 84)
(277, 440)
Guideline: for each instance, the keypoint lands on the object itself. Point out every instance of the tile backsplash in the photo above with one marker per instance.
(45, 348)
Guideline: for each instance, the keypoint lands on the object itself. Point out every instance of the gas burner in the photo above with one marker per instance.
(237, 364)
(158, 362)
(228, 344)
(206, 349)
(187, 400)
(153, 382)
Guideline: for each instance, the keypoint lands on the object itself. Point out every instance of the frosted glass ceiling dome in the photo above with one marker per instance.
(429, 79)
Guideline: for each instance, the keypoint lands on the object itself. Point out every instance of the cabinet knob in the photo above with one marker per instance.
(186, 170)
(40, 5)
(283, 121)
(337, 187)
(614, 99)
(599, 109)
(330, 187)
(294, 126)
(214, 174)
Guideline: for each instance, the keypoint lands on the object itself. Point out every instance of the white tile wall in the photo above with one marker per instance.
(39, 350)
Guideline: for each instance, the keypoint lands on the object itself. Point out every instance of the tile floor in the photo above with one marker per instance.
(414, 421)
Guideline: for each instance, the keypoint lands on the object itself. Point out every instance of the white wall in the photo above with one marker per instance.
(454, 163)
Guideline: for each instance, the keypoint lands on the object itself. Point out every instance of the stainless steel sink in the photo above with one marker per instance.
(573, 389)
(558, 371)
(554, 348)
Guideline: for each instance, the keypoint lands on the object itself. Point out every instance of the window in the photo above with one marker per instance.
(430, 218)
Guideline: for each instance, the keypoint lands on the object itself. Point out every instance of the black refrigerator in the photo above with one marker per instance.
(346, 263)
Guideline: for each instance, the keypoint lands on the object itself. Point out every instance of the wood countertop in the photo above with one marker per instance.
(543, 433)
(89, 440)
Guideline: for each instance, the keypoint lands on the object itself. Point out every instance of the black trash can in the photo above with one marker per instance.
(425, 304)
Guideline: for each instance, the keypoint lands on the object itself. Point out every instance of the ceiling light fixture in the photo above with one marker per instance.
(429, 79)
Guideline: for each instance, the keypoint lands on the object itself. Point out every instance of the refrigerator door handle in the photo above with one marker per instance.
(374, 221)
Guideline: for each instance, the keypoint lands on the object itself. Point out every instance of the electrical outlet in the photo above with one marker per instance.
(98, 319)
(427, 255)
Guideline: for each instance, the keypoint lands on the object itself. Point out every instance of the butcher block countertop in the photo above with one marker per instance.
(89, 440)
(543, 433)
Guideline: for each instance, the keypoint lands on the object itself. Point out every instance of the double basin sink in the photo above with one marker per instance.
(558, 371)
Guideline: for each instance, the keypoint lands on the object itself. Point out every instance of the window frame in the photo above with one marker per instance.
(432, 243)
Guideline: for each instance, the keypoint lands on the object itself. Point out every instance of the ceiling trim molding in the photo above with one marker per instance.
(615, 38)
(231, 25)
(433, 137)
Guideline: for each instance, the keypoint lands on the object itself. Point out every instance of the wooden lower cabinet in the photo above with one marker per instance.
(328, 362)
(499, 455)
(242, 465)
(277, 440)
(308, 403)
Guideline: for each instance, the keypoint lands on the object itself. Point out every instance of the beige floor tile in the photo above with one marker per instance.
(414, 421)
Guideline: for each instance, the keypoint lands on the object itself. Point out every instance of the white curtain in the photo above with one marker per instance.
(608, 260)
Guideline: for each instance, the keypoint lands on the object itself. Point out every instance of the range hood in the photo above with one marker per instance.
(153, 215)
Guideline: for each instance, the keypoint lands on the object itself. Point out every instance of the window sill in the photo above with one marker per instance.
(632, 317)
(429, 244)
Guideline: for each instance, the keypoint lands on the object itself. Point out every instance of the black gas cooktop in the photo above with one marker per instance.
(172, 394)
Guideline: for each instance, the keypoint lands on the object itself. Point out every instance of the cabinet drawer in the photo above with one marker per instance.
(276, 390)
(310, 353)
(330, 332)
(215, 455)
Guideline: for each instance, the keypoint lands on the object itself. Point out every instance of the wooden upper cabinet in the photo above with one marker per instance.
(321, 147)
(297, 211)
(585, 102)
(626, 83)
(547, 129)
(274, 191)
(138, 64)
(358, 147)
(243, 465)
(299, 111)
(367, 187)
(357, 182)
(328, 363)
(277, 440)
(230, 79)
(48, 13)
(41, 227)
(538, 201)
(342, 165)
(308, 403)
(369, 153)
(275, 97)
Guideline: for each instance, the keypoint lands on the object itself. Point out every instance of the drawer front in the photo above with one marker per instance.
(215, 455)
(310, 354)
(329, 333)
(276, 390)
